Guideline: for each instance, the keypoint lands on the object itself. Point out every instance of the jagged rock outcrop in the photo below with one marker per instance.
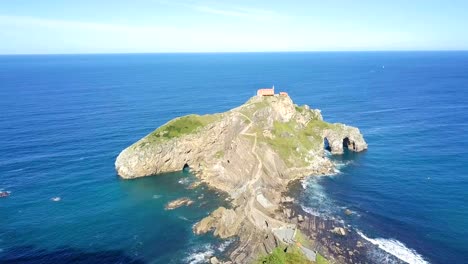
(224, 222)
(349, 137)
(184, 201)
(251, 152)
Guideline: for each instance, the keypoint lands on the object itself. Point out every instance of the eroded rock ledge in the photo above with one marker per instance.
(251, 152)
(184, 201)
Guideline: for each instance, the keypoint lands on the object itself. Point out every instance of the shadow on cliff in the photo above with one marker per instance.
(33, 255)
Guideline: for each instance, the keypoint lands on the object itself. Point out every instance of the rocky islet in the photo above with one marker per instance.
(252, 153)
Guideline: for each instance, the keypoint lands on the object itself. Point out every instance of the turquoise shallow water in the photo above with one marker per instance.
(64, 119)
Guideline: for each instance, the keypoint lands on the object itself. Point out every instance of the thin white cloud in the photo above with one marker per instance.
(22, 34)
(211, 10)
(229, 11)
(58, 23)
(238, 12)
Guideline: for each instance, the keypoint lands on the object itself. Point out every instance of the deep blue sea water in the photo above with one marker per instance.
(65, 118)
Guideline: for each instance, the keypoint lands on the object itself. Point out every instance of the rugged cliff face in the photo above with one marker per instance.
(250, 152)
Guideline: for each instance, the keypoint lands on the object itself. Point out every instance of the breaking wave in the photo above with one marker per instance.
(341, 164)
(397, 249)
(183, 218)
(316, 201)
(222, 247)
(185, 181)
(200, 254)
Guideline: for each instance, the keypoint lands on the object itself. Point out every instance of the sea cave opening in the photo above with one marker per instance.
(326, 144)
(186, 167)
(348, 144)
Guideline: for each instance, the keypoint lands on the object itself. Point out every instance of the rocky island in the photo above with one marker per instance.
(252, 153)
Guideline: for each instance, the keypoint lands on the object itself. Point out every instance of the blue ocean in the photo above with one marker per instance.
(65, 118)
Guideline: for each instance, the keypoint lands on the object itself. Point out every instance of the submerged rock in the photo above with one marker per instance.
(194, 185)
(348, 212)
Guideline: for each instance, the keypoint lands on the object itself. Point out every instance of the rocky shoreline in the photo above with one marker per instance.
(339, 242)
(332, 237)
(251, 153)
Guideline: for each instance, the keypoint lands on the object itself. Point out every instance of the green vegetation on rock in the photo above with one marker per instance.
(321, 259)
(314, 130)
(181, 126)
(219, 154)
(293, 256)
(293, 143)
(302, 238)
(278, 256)
(299, 108)
(251, 108)
(288, 142)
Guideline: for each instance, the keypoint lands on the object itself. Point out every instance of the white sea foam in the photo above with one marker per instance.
(397, 249)
(312, 211)
(327, 153)
(185, 181)
(183, 218)
(342, 164)
(157, 196)
(225, 244)
(319, 204)
(328, 212)
(307, 181)
(304, 183)
(200, 255)
(316, 202)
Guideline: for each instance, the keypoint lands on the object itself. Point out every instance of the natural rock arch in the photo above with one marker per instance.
(347, 137)
(348, 144)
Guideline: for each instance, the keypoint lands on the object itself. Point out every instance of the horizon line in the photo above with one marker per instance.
(231, 52)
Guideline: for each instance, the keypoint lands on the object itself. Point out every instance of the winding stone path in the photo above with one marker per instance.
(256, 216)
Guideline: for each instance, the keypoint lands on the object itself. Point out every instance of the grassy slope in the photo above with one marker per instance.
(293, 144)
(290, 142)
(180, 126)
(321, 259)
(278, 256)
(302, 238)
(294, 256)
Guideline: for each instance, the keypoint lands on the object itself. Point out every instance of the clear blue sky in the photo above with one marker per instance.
(109, 26)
